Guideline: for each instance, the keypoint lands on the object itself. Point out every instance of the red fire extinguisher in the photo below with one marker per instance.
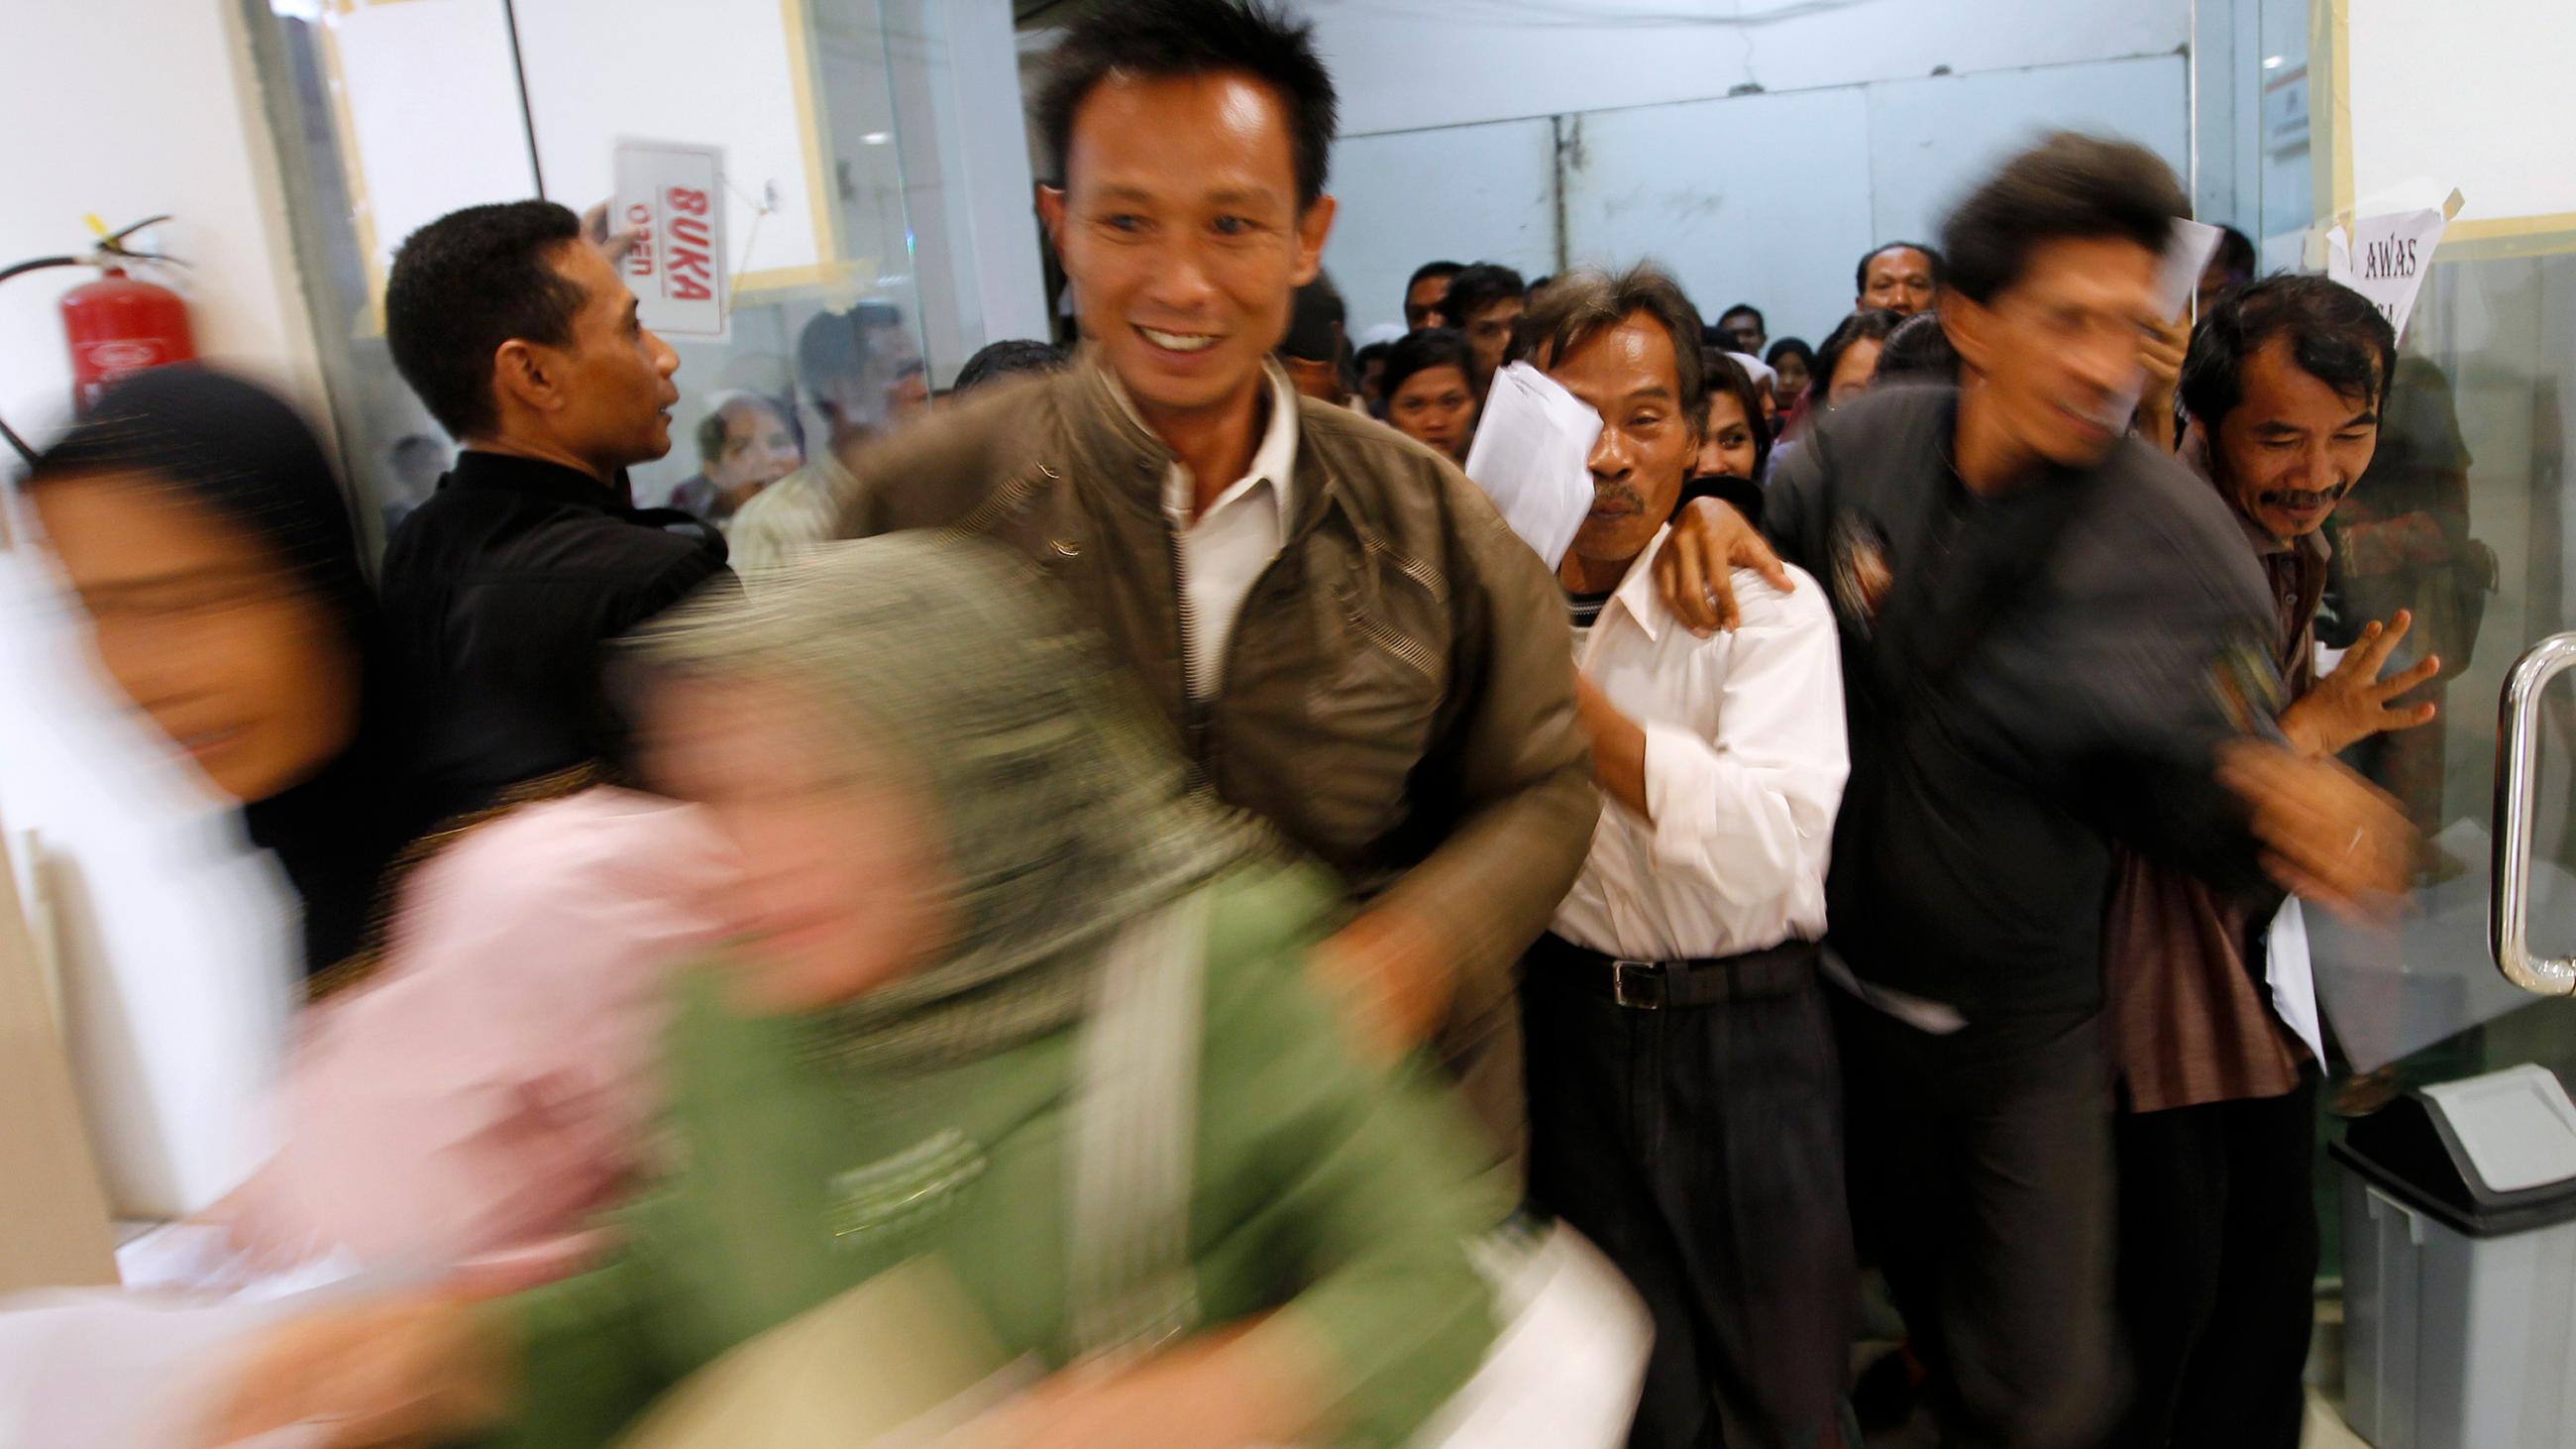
(117, 324)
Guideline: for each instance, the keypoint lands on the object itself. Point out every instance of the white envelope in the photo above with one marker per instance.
(2178, 271)
(2291, 973)
(1530, 456)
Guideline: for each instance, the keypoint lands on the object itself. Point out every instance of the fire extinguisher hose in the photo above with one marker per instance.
(31, 265)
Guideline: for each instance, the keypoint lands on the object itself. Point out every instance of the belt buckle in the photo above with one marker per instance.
(1637, 984)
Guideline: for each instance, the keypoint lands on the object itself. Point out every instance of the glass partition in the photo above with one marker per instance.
(392, 114)
(2462, 517)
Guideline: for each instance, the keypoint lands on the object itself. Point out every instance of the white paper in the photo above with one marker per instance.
(2186, 257)
(675, 194)
(2385, 257)
(1531, 456)
(2292, 977)
(110, 1368)
(1566, 1368)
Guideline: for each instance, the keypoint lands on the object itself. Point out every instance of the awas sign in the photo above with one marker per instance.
(674, 196)
(2384, 258)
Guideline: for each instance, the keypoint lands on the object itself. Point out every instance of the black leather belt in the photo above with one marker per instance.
(1704, 981)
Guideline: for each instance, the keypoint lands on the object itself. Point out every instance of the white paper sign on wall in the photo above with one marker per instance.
(2385, 258)
(674, 195)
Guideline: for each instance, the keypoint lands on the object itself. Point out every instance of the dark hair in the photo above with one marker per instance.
(1868, 323)
(1584, 303)
(2236, 253)
(1860, 273)
(1429, 270)
(412, 444)
(1478, 287)
(2068, 186)
(1315, 317)
(248, 457)
(1785, 346)
(834, 344)
(1744, 309)
(712, 427)
(237, 450)
(1422, 350)
(1919, 350)
(1156, 39)
(468, 282)
(997, 360)
(1726, 375)
(2335, 336)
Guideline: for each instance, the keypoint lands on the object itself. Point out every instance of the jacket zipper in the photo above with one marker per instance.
(1194, 710)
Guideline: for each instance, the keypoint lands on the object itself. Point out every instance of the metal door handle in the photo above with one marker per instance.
(2517, 777)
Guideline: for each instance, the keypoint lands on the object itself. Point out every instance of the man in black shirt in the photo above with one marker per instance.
(500, 590)
(2053, 638)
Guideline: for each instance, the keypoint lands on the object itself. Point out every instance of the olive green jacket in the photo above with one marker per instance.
(1398, 696)
(1324, 1190)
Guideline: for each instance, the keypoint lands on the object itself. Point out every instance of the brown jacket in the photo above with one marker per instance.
(1399, 692)
(2191, 1013)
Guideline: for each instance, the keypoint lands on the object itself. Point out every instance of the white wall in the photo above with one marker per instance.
(1848, 137)
(172, 939)
(1419, 63)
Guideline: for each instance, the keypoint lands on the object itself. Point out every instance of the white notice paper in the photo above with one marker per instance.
(2293, 978)
(675, 194)
(2178, 271)
(1531, 457)
(2384, 258)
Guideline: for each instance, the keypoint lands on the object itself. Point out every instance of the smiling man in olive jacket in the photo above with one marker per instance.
(1344, 636)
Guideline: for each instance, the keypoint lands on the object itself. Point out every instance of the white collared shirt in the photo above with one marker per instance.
(1225, 547)
(1745, 762)
(791, 517)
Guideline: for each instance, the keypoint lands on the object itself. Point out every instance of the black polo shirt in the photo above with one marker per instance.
(500, 593)
(2028, 676)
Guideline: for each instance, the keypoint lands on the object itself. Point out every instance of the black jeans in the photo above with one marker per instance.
(1981, 1180)
(2218, 1266)
(1701, 1149)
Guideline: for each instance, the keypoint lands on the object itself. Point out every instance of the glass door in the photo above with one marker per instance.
(391, 113)
(2348, 108)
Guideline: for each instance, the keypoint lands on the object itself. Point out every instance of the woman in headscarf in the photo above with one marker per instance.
(475, 1088)
(210, 546)
(1006, 996)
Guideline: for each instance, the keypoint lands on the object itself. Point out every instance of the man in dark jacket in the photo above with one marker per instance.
(1344, 636)
(500, 590)
(2053, 638)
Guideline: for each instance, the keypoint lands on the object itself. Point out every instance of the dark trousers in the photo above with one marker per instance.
(2218, 1266)
(1701, 1148)
(1981, 1180)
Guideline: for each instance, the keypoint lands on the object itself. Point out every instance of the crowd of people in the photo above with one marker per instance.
(1142, 836)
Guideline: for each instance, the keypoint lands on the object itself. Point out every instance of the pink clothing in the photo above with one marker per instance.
(484, 1093)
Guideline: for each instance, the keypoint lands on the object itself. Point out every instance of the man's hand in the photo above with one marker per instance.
(2328, 835)
(2353, 703)
(614, 245)
(413, 1370)
(1709, 542)
(1390, 978)
(1618, 747)
(2163, 355)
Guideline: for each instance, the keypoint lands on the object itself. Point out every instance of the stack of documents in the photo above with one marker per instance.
(1530, 456)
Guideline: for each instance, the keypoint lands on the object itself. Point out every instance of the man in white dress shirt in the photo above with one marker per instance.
(1684, 1103)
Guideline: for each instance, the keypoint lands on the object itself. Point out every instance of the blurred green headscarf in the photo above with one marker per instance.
(1062, 815)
